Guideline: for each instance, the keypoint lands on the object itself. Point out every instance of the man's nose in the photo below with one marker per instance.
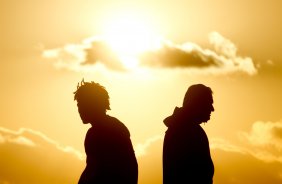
(212, 108)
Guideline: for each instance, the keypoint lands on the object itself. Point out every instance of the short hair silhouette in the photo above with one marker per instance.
(197, 93)
(91, 92)
(110, 156)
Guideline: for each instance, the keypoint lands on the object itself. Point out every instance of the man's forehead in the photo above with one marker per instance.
(209, 98)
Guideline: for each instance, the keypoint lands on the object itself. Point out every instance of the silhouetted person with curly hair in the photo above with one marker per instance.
(110, 154)
(186, 152)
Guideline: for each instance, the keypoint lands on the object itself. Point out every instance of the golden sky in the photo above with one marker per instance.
(146, 54)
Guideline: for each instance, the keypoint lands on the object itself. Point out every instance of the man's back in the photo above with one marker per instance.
(186, 154)
(110, 155)
(186, 157)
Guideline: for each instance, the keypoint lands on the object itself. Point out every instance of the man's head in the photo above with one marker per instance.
(92, 101)
(198, 101)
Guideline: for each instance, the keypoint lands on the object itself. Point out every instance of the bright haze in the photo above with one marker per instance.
(146, 54)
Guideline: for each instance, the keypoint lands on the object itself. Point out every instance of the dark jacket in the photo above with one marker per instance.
(110, 154)
(186, 153)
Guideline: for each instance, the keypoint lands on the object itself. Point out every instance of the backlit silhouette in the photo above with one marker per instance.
(186, 152)
(110, 155)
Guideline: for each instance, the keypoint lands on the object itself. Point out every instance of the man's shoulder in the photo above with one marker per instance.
(117, 126)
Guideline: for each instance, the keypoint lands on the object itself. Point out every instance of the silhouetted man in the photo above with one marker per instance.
(186, 152)
(110, 155)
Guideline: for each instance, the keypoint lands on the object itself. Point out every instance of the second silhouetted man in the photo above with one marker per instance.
(186, 152)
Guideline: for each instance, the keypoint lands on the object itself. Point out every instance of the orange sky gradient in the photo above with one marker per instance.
(146, 54)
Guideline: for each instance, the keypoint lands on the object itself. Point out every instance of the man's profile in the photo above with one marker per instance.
(186, 152)
(110, 154)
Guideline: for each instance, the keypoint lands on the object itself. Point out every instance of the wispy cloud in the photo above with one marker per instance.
(265, 133)
(232, 161)
(223, 58)
(263, 141)
(32, 138)
(222, 144)
(29, 156)
(9, 136)
(141, 149)
(235, 167)
(266, 139)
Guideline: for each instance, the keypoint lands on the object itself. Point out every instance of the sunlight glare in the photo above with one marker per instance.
(129, 36)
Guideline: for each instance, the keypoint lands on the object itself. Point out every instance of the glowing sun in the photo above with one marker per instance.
(129, 36)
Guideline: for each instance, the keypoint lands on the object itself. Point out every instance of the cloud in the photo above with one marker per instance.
(223, 59)
(236, 168)
(266, 140)
(258, 160)
(29, 156)
(95, 51)
(222, 144)
(100, 51)
(241, 164)
(141, 149)
(29, 137)
(263, 141)
(265, 133)
(150, 160)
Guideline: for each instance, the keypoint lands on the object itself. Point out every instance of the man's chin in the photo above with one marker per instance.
(85, 122)
(205, 120)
